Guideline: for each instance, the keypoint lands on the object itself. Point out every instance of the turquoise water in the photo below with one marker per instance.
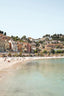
(35, 78)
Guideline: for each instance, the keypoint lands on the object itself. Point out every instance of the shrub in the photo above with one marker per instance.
(16, 55)
(20, 54)
(45, 51)
(60, 51)
(9, 55)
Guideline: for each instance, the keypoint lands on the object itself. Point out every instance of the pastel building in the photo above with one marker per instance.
(2, 45)
(13, 45)
(28, 48)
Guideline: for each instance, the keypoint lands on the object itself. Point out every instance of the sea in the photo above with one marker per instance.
(34, 78)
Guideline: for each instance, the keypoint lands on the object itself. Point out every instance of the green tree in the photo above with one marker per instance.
(1, 32)
(23, 38)
(52, 51)
(29, 41)
(37, 44)
(5, 33)
(15, 38)
(60, 51)
(47, 35)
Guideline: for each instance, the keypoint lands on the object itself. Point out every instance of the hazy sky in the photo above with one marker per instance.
(32, 17)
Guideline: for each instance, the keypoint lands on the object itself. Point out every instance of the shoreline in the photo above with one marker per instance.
(7, 62)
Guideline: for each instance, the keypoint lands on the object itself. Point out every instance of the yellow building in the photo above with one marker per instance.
(2, 45)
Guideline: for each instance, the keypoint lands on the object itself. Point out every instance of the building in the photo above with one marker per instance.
(7, 47)
(4, 37)
(53, 46)
(24, 47)
(19, 45)
(28, 48)
(2, 45)
(13, 45)
(31, 39)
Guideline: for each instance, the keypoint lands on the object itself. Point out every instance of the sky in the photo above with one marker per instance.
(33, 18)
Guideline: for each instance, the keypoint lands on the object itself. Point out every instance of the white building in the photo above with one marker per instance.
(13, 45)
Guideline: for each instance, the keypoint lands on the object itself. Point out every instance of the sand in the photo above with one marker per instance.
(6, 62)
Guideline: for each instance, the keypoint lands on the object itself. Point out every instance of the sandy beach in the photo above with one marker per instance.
(7, 62)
